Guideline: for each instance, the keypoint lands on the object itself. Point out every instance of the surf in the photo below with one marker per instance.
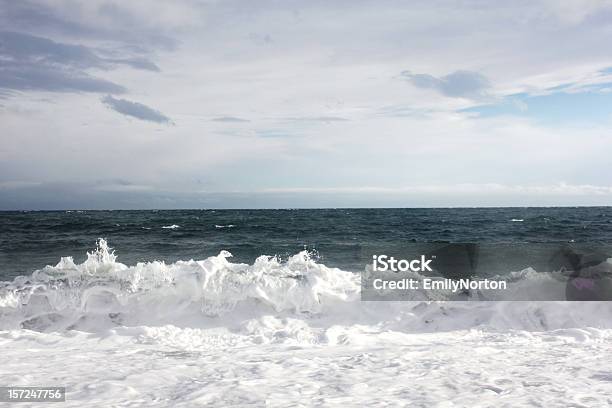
(102, 293)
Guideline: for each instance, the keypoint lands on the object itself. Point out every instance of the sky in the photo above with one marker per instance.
(273, 104)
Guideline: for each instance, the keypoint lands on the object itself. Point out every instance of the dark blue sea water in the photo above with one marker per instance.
(31, 240)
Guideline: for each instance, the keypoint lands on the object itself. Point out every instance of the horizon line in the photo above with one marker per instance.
(301, 208)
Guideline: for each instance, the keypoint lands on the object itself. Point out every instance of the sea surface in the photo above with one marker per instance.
(31, 240)
(169, 319)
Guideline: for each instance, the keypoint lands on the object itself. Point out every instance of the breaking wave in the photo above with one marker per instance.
(299, 292)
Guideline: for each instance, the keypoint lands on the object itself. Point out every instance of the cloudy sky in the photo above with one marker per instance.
(209, 104)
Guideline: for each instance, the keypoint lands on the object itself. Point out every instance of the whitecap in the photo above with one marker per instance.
(284, 300)
(173, 226)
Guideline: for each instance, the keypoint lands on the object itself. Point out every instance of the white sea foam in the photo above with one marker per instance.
(192, 293)
(279, 333)
(173, 226)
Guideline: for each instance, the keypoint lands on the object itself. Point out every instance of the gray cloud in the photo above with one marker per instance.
(25, 13)
(125, 195)
(463, 84)
(119, 185)
(23, 77)
(30, 63)
(137, 63)
(29, 48)
(230, 119)
(135, 109)
(67, 20)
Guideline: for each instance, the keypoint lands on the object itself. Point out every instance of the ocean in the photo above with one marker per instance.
(31, 240)
(263, 308)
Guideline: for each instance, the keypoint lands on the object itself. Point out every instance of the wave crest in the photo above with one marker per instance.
(271, 299)
(156, 292)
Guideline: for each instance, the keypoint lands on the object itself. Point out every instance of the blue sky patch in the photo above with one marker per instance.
(592, 106)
